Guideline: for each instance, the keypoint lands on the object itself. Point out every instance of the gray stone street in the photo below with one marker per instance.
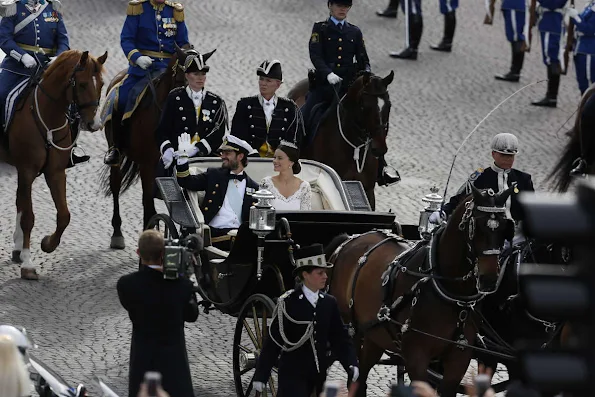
(73, 312)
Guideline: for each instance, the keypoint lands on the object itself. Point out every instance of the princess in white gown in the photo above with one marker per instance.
(291, 193)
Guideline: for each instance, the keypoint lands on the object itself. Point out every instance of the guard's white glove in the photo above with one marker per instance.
(437, 217)
(144, 62)
(258, 386)
(574, 14)
(28, 61)
(354, 372)
(333, 78)
(168, 157)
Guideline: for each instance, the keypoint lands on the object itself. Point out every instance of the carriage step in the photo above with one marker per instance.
(179, 210)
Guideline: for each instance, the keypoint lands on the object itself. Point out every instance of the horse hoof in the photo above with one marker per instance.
(16, 257)
(117, 243)
(46, 245)
(29, 274)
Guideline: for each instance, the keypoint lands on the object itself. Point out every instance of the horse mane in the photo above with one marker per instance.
(65, 64)
(584, 124)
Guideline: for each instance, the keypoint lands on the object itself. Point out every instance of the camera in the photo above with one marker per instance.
(180, 255)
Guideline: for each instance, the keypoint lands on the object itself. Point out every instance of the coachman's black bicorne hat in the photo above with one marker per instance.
(196, 62)
(270, 69)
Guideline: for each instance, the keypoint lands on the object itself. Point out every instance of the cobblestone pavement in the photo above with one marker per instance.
(73, 312)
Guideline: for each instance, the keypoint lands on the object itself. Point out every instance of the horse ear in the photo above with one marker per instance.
(388, 79)
(504, 195)
(476, 192)
(84, 58)
(181, 53)
(102, 58)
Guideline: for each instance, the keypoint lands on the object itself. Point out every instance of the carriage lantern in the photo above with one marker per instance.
(434, 202)
(262, 222)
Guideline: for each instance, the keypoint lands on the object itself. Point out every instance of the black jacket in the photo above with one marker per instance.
(342, 52)
(328, 330)
(488, 178)
(214, 183)
(179, 116)
(158, 309)
(249, 123)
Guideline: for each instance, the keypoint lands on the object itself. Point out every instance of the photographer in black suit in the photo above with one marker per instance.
(228, 190)
(158, 309)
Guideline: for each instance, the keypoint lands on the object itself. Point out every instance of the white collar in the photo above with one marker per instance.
(499, 170)
(272, 101)
(312, 296)
(239, 173)
(194, 94)
(337, 22)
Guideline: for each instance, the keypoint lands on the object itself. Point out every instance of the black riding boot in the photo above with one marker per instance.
(112, 157)
(74, 158)
(416, 27)
(450, 24)
(387, 175)
(518, 57)
(390, 11)
(553, 83)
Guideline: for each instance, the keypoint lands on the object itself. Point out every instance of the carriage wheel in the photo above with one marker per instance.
(252, 326)
(163, 223)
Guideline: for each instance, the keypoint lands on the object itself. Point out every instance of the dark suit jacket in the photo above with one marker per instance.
(214, 183)
(328, 328)
(158, 309)
(179, 116)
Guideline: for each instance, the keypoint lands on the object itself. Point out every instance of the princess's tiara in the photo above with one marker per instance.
(288, 144)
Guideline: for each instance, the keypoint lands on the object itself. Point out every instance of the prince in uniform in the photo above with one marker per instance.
(193, 110)
(150, 33)
(302, 367)
(266, 119)
(32, 34)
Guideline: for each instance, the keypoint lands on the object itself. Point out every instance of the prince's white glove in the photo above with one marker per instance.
(185, 148)
(333, 78)
(144, 62)
(437, 217)
(258, 386)
(354, 372)
(168, 157)
(573, 13)
(28, 61)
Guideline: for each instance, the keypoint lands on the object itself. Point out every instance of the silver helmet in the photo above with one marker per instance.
(19, 336)
(505, 143)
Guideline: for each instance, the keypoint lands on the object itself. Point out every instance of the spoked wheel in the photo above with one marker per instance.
(252, 327)
(164, 224)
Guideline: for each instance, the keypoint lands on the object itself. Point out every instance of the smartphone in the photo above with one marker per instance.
(153, 381)
(482, 384)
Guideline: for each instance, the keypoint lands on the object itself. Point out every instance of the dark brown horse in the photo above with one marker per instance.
(40, 140)
(353, 136)
(404, 300)
(138, 146)
(578, 156)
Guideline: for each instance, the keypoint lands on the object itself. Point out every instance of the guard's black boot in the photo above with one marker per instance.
(76, 159)
(112, 157)
(416, 27)
(390, 11)
(450, 23)
(580, 167)
(387, 175)
(518, 57)
(553, 83)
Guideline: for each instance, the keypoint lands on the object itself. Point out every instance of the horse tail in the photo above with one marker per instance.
(130, 173)
(561, 174)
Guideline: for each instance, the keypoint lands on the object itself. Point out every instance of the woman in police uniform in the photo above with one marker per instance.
(302, 368)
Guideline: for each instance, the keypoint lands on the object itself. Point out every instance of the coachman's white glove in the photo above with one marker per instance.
(28, 61)
(437, 217)
(333, 78)
(574, 14)
(144, 62)
(168, 157)
(354, 372)
(258, 386)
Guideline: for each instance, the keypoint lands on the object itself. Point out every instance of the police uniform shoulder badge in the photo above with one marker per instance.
(476, 174)
(315, 38)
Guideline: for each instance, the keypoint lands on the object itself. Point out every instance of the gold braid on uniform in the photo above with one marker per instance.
(280, 313)
(135, 7)
(178, 10)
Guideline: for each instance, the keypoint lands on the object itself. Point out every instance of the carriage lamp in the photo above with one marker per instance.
(434, 202)
(262, 222)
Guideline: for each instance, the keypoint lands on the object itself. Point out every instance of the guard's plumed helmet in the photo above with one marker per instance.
(505, 143)
(270, 69)
(18, 335)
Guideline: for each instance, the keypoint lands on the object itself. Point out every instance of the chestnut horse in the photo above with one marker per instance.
(353, 136)
(417, 301)
(40, 139)
(138, 146)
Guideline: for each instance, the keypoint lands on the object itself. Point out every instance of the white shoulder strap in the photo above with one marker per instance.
(30, 18)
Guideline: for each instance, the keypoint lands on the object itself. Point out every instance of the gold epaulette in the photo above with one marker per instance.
(178, 10)
(135, 7)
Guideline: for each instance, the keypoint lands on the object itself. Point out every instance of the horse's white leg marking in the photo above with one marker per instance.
(18, 234)
(26, 258)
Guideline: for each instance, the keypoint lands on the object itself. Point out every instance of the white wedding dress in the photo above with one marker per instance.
(300, 200)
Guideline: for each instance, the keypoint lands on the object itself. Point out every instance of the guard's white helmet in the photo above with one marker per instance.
(18, 335)
(505, 143)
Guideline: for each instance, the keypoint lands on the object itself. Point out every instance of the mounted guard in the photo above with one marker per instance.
(338, 53)
(150, 33)
(193, 110)
(32, 35)
(265, 119)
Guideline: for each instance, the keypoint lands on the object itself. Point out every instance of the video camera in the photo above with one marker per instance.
(180, 256)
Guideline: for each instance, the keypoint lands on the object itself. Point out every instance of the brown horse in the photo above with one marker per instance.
(140, 153)
(353, 136)
(402, 299)
(40, 140)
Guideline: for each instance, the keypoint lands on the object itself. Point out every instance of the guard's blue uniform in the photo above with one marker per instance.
(447, 6)
(150, 29)
(40, 33)
(584, 50)
(551, 27)
(515, 13)
(415, 6)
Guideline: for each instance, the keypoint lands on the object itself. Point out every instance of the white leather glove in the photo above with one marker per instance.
(144, 62)
(186, 146)
(258, 386)
(168, 157)
(355, 372)
(333, 78)
(52, 59)
(437, 217)
(574, 14)
(28, 61)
